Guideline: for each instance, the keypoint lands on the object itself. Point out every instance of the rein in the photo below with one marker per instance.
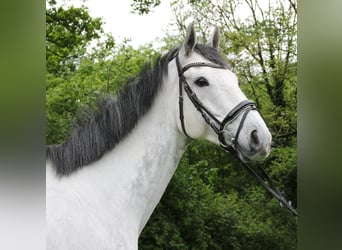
(243, 108)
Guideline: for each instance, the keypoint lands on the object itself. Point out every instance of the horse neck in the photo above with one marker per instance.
(155, 148)
(132, 177)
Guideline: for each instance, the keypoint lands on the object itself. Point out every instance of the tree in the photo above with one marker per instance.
(261, 46)
(78, 74)
(68, 32)
(142, 7)
(209, 204)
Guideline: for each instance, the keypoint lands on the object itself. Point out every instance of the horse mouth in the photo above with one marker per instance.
(251, 155)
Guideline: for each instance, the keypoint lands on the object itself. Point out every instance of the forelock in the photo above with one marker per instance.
(212, 54)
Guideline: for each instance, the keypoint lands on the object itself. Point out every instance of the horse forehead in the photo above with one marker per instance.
(222, 75)
(194, 57)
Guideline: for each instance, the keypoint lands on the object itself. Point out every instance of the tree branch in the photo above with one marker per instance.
(259, 51)
(293, 5)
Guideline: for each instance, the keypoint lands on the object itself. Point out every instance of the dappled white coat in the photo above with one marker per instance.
(106, 204)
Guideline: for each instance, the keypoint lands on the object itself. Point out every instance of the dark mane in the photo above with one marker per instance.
(100, 129)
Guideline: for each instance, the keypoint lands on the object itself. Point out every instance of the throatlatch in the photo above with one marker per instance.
(220, 128)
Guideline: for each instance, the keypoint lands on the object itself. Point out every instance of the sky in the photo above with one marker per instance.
(123, 24)
(141, 29)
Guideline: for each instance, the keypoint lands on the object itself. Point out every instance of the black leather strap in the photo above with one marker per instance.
(201, 64)
(213, 122)
(180, 97)
(270, 187)
(237, 110)
(242, 122)
(206, 114)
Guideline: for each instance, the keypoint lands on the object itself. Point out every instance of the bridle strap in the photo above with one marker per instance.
(243, 107)
(206, 114)
(180, 97)
(269, 186)
(234, 113)
(198, 64)
(242, 122)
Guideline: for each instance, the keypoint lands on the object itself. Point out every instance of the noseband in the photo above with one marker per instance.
(220, 127)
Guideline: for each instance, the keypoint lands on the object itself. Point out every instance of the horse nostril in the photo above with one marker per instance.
(254, 137)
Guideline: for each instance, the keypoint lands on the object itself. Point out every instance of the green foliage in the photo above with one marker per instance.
(78, 74)
(203, 215)
(142, 7)
(68, 31)
(261, 45)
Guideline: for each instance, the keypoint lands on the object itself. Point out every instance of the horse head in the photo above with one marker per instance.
(211, 103)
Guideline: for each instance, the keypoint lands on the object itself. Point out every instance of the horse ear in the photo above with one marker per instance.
(214, 39)
(190, 40)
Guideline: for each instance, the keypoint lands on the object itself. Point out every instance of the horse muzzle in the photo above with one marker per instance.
(256, 142)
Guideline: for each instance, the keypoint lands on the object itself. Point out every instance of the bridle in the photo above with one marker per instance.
(220, 127)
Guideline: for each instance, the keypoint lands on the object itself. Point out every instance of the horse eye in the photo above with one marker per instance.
(202, 82)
